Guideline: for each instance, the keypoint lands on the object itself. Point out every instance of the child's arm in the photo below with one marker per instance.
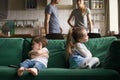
(43, 52)
(83, 50)
(44, 55)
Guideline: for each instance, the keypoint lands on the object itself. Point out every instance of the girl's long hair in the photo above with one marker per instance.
(73, 37)
(69, 43)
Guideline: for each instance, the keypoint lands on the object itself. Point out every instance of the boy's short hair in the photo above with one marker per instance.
(41, 39)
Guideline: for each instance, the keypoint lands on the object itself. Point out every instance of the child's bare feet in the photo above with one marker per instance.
(33, 71)
(20, 71)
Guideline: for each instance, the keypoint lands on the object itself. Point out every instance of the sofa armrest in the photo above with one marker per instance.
(113, 57)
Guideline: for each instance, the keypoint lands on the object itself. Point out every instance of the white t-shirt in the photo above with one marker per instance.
(80, 19)
(41, 59)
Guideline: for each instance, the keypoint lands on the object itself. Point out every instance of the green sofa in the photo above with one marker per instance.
(14, 50)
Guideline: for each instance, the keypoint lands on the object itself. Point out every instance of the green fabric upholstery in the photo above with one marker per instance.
(57, 50)
(74, 74)
(7, 73)
(15, 50)
(99, 47)
(112, 59)
(10, 51)
(26, 48)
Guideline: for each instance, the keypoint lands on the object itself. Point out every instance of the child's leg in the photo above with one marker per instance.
(93, 62)
(33, 71)
(36, 68)
(85, 62)
(20, 71)
(25, 64)
(83, 65)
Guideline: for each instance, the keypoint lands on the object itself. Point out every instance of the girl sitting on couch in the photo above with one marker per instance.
(77, 53)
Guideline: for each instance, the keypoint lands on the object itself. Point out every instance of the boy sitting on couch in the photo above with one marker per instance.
(38, 57)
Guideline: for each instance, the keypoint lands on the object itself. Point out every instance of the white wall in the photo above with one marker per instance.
(18, 12)
(113, 8)
(39, 14)
(63, 2)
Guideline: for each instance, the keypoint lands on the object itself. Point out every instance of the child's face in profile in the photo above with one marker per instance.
(36, 46)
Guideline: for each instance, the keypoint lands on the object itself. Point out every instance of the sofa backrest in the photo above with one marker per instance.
(11, 51)
(99, 47)
(15, 50)
(26, 48)
(57, 52)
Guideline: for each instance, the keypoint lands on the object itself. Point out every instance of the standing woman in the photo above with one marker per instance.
(80, 16)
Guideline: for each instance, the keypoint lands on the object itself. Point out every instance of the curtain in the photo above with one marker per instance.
(107, 26)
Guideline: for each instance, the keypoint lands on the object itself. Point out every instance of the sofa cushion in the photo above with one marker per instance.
(76, 74)
(11, 51)
(57, 49)
(99, 47)
(26, 48)
(8, 73)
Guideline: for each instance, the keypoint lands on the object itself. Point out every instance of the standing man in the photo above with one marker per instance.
(51, 22)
